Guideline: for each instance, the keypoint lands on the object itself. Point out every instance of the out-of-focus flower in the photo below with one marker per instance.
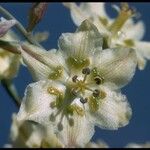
(27, 134)
(36, 14)
(139, 145)
(41, 36)
(98, 144)
(9, 62)
(119, 31)
(5, 25)
(78, 85)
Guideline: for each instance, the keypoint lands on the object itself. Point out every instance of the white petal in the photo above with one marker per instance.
(143, 52)
(41, 62)
(133, 30)
(76, 13)
(77, 135)
(85, 11)
(93, 9)
(116, 65)
(36, 102)
(143, 48)
(140, 60)
(114, 111)
(85, 41)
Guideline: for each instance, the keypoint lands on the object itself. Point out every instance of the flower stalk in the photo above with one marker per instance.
(28, 36)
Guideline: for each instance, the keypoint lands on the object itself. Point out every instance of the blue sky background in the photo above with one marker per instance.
(57, 20)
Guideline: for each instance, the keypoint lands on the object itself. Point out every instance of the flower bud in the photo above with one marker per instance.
(36, 14)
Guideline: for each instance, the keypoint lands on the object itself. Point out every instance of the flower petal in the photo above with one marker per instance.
(116, 65)
(86, 11)
(93, 9)
(79, 47)
(133, 30)
(72, 136)
(114, 111)
(143, 52)
(143, 48)
(36, 102)
(42, 63)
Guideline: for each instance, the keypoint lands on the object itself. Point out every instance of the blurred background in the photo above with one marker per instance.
(57, 20)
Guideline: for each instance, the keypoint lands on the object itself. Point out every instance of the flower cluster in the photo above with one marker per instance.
(78, 86)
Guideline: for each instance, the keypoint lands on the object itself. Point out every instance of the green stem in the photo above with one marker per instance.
(20, 27)
(11, 90)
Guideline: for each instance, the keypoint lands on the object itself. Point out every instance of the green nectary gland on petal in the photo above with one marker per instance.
(77, 63)
(129, 42)
(103, 20)
(57, 73)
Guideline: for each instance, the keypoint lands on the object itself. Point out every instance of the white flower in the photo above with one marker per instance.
(9, 62)
(97, 144)
(79, 85)
(121, 31)
(27, 134)
(138, 145)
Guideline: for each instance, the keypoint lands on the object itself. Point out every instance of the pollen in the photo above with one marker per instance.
(54, 91)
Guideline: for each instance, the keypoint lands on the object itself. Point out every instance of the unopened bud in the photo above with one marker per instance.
(36, 13)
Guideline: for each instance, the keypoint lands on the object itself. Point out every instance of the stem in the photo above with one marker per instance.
(20, 27)
(11, 90)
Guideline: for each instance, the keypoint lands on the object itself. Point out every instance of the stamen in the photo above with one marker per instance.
(75, 78)
(74, 92)
(96, 93)
(83, 100)
(99, 80)
(86, 71)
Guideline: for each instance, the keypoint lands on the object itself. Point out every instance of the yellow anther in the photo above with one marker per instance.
(54, 91)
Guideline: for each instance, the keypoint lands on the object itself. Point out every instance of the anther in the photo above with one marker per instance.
(86, 71)
(74, 92)
(74, 78)
(98, 80)
(83, 100)
(52, 117)
(60, 126)
(96, 93)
